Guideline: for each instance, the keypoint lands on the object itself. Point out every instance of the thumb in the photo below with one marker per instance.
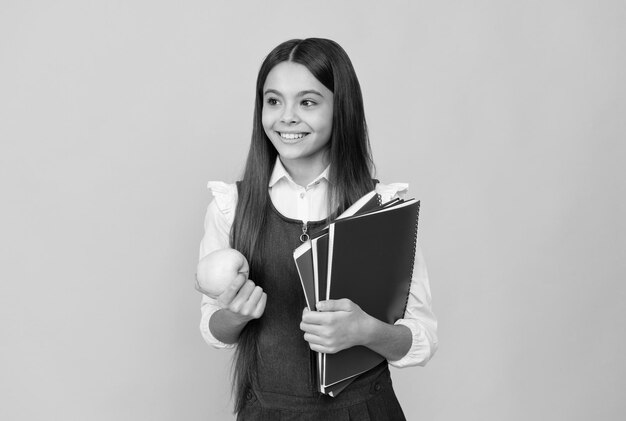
(343, 304)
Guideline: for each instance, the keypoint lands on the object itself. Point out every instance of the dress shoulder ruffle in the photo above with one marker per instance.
(391, 191)
(225, 196)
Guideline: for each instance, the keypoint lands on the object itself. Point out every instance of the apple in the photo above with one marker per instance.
(217, 270)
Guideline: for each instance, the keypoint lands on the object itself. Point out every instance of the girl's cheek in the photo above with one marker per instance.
(267, 119)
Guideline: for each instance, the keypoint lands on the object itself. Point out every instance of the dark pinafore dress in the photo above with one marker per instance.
(286, 387)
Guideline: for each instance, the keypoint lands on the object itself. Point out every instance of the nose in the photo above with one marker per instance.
(290, 115)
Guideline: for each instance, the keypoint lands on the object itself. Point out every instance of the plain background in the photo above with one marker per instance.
(506, 117)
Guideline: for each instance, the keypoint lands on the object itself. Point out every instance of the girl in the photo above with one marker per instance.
(309, 159)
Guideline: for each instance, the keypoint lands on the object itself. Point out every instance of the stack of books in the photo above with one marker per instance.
(367, 256)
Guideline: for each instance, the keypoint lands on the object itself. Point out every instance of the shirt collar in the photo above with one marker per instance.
(280, 172)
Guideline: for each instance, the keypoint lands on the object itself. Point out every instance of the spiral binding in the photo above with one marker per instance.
(417, 217)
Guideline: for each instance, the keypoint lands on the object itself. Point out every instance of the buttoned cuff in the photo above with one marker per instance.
(422, 348)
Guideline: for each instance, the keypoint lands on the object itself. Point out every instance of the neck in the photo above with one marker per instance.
(303, 173)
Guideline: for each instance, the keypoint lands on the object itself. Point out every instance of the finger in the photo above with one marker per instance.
(311, 317)
(249, 306)
(343, 304)
(242, 296)
(316, 330)
(314, 339)
(260, 306)
(319, 317)
(255, 296)
(231, 291)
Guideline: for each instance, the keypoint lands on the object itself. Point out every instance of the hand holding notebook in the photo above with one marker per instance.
(335, 326)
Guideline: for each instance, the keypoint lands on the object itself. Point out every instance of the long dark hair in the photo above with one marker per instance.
(350, 176)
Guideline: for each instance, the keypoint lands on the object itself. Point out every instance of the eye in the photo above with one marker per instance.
(272, 101)
(308, 103)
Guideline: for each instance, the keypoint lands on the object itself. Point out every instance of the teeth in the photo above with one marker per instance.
(292, 136)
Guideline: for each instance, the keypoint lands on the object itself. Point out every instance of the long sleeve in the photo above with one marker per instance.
(419, 317)
(217, 223)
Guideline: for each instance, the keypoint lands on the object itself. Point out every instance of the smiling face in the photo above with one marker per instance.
(297, 117)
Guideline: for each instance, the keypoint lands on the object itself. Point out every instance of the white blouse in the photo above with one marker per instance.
(309, 204)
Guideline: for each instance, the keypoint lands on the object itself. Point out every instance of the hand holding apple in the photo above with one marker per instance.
(217, 270)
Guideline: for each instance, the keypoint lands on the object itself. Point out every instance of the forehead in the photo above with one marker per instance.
(289, 77)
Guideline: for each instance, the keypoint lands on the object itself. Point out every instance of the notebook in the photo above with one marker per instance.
(370, 261)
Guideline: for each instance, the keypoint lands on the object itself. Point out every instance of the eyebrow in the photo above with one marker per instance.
(301, 93)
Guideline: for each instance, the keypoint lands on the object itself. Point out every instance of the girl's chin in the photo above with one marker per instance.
(301, 157)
